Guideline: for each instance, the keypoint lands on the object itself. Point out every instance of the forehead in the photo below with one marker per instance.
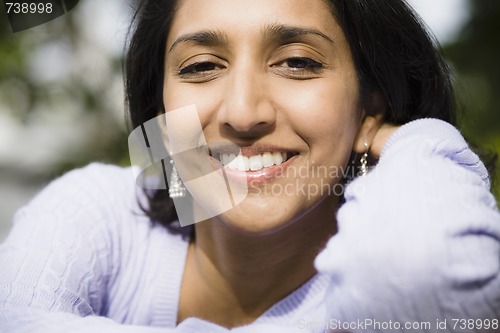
(244, 16)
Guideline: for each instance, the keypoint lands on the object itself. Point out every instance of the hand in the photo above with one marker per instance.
(381, 136)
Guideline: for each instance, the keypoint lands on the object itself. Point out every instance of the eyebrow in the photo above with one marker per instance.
(275, 32)
(280, 32)
(209, 38)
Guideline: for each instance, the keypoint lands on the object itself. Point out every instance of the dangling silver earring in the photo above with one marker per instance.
(176, 188)
(363, 169)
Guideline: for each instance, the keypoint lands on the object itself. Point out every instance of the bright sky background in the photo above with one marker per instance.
(444, 17)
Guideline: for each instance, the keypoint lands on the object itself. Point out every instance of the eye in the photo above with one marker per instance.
(204, 70)
(198, 67)
(298, 68)
(302, 63)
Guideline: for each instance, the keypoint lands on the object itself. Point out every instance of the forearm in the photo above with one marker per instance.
(419, 237)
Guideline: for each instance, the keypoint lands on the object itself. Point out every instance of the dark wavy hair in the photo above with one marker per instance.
(393, 53)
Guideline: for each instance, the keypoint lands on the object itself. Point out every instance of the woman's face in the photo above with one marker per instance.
(275, 78)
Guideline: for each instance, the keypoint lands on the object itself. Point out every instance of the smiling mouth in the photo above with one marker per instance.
(254, 162)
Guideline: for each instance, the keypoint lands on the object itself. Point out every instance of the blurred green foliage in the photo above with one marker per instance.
(475, 57)
(84, 95)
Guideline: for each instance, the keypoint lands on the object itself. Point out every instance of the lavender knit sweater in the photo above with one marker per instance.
(418, 243)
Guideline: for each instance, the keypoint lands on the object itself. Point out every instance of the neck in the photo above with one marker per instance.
(239, 276)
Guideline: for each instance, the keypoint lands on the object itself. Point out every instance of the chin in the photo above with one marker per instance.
(261, 216)
(255, 224)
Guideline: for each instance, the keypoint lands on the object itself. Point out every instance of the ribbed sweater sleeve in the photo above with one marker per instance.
(68, 252)
(418, 239)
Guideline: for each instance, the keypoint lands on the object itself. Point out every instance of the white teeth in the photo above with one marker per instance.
(246, 163)
(256, 163)
(278, 158)
(242, 164)
(267, 160)
(252, 163)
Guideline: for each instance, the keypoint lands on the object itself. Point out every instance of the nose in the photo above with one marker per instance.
(247, 109)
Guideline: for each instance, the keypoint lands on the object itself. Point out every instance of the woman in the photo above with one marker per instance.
(415, 245)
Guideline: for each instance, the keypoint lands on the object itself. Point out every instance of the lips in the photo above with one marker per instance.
(255, 165)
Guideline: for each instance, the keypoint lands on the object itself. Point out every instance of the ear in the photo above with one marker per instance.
(373, 119)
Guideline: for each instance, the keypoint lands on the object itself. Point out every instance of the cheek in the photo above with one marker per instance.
(206, 98)
(177, 95)
(325, 115)
(174, 97)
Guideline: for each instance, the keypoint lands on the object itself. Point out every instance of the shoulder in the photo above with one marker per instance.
(94, 178)
(96, 184)
(95, 197)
